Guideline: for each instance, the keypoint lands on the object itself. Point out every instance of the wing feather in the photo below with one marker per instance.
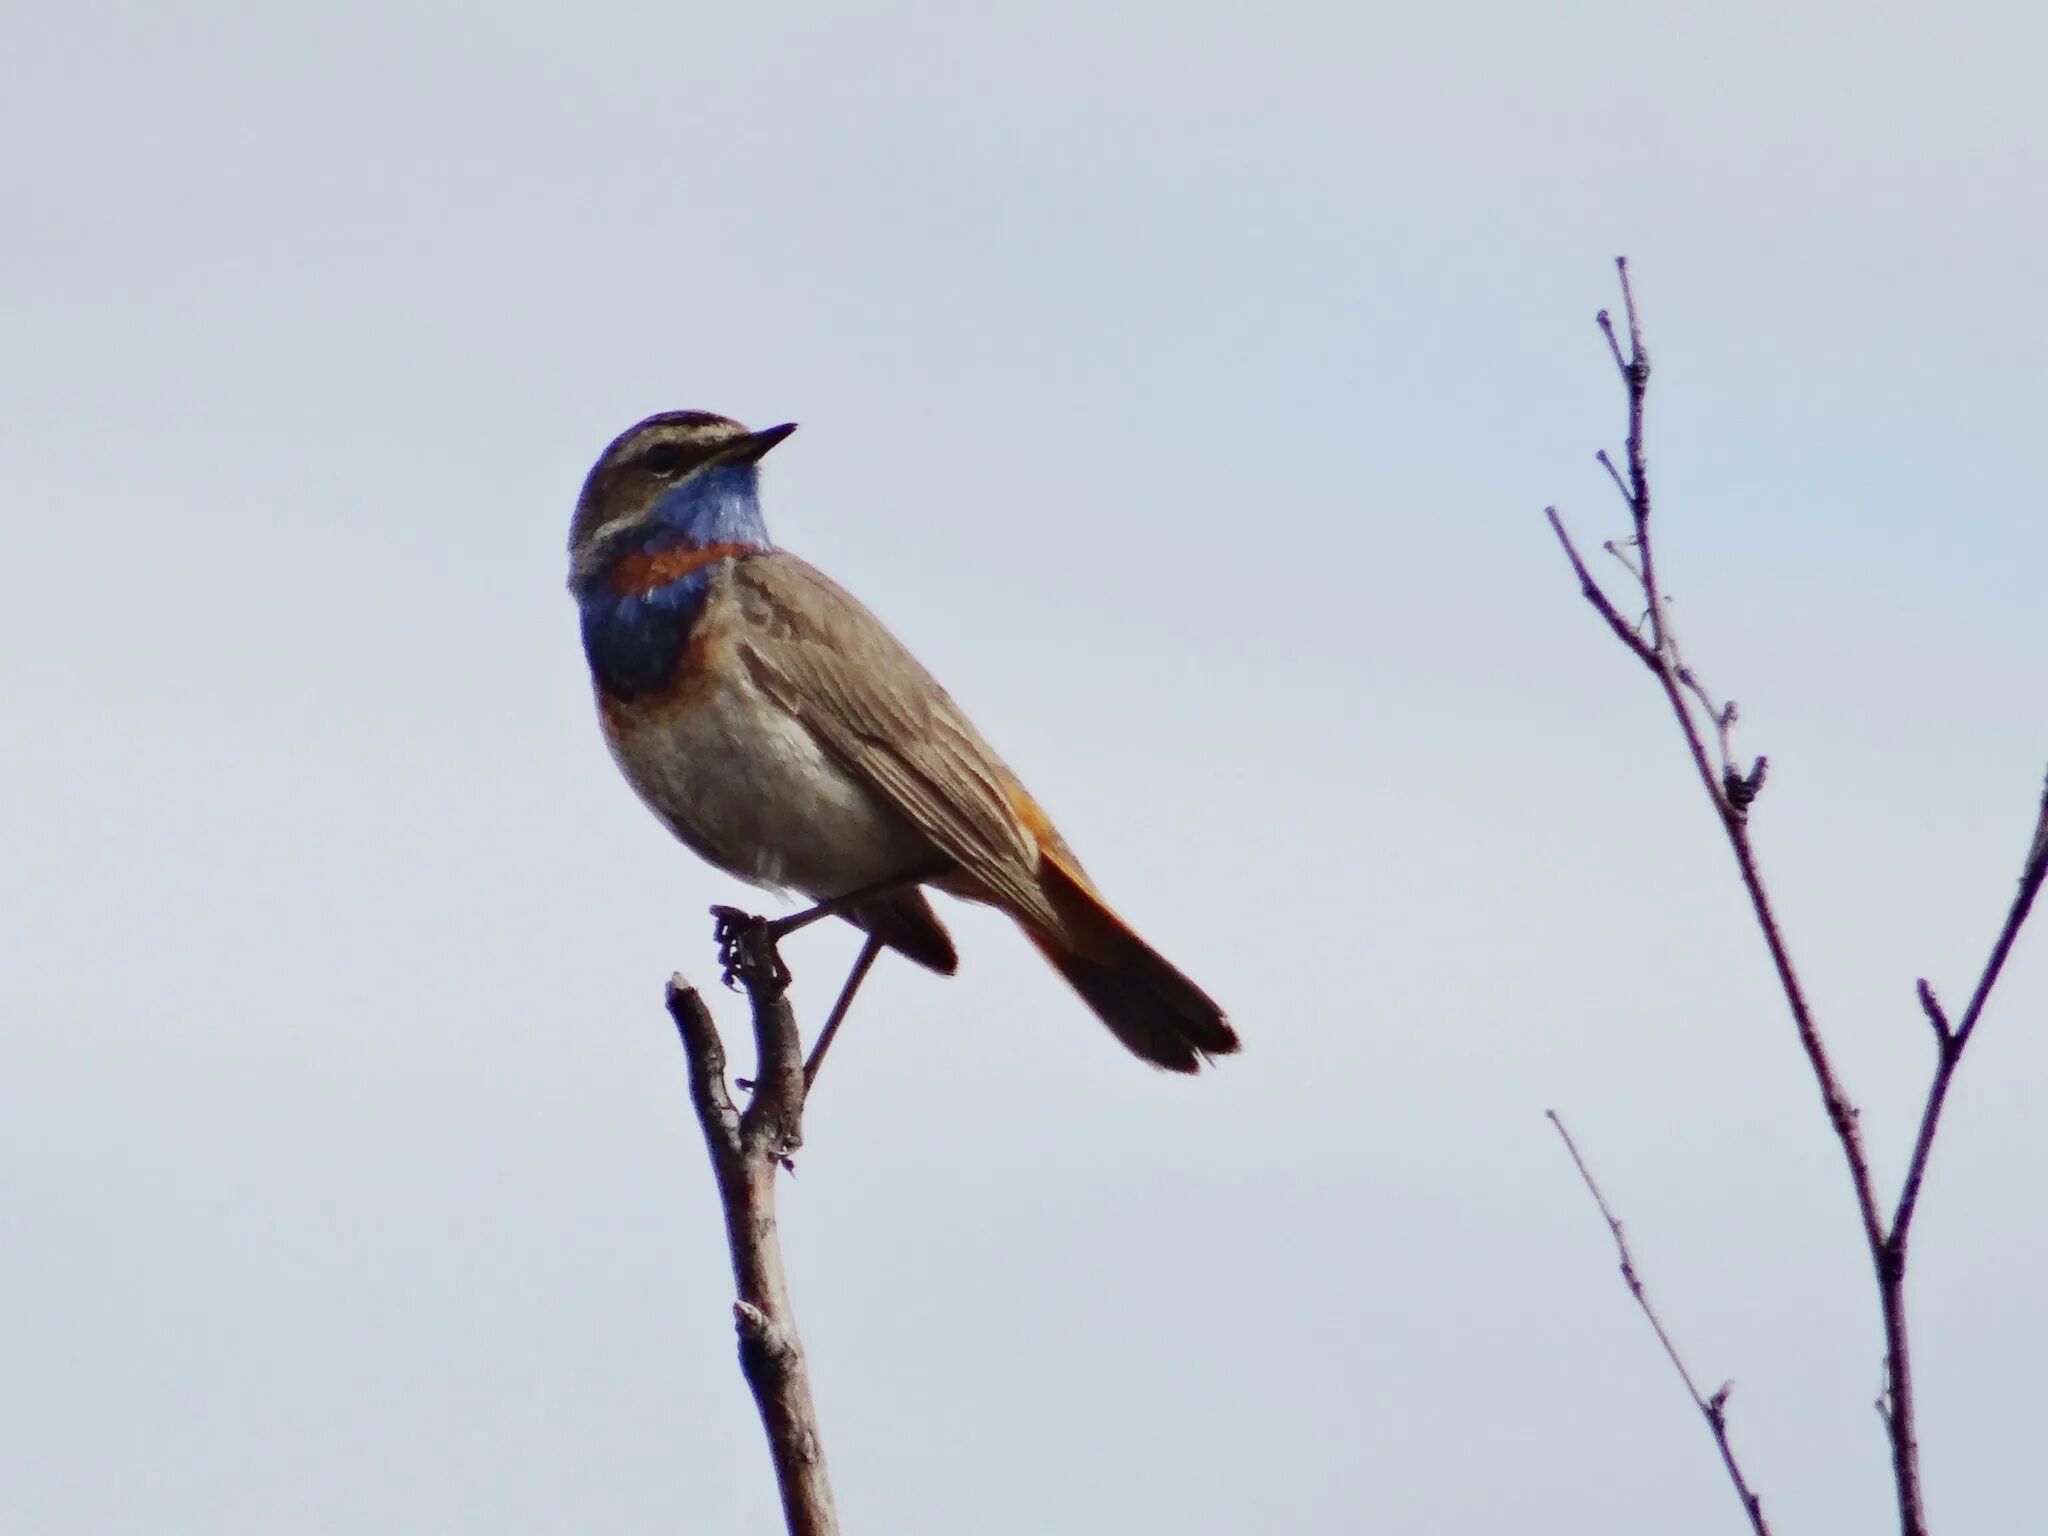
(811, 646)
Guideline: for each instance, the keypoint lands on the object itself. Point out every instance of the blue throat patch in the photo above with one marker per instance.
(634, 641)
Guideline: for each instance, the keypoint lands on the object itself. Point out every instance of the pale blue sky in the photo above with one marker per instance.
(1184, 383)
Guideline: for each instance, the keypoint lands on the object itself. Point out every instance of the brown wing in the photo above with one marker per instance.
(823, 657)
(810, 645)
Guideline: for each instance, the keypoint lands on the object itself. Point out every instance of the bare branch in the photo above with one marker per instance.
(1731, 794)
(1712, 1409)
(1619, 549)
(1659, 656)
(1635, 375)
(1606, 324)
(1953, 1041)
(772, 1126)
(747, 1151)
(1591, 590)
(705, 1053)
(1723, 716)
(1614, 474)
(1931, 1006)
(2032, 873)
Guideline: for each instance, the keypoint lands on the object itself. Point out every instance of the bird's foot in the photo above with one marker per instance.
(747, 952)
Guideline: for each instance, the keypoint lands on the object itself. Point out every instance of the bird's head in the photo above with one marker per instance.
(683, 477)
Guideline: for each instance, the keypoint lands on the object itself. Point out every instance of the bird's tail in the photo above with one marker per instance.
(905, 921)
(1155, 1010)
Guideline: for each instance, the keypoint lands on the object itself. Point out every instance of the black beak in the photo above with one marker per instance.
(745, 450)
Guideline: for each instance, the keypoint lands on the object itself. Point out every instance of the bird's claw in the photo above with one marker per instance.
(729, 925)
(746, 950)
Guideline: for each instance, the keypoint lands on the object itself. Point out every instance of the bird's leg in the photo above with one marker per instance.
(870, 951)
(748, 942)
(783, 927)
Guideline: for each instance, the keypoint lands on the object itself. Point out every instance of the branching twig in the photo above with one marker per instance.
(1954, 1040)
(1657, 655)
(1732, 793)
(747, 1150)
(1713, 1409)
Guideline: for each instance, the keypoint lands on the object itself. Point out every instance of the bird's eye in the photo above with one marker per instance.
(663, 460)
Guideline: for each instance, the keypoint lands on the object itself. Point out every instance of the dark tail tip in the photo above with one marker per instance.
(1155, 1010)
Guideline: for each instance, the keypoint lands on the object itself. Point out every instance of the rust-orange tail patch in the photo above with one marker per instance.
(1152, 1007)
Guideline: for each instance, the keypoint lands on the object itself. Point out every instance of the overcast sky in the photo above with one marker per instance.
(1184, 383)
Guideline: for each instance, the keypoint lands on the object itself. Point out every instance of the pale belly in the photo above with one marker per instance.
(748, 788)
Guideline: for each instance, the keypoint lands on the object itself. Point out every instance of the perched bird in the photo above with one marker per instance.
(774, 725)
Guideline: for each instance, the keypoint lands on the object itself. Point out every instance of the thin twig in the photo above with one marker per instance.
(1713, 1409)
(1655, 654)
(1732, 794)
(1590, 589)
(747, 1151)
(1936, 1014)
(1614, 474)
(1954, 1041)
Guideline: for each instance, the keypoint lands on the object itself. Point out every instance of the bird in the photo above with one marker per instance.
(781, 732)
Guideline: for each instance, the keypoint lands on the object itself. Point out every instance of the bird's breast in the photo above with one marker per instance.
(640, 620)
(743, 781)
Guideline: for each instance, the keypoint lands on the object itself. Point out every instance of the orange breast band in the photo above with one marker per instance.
(642, 572)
